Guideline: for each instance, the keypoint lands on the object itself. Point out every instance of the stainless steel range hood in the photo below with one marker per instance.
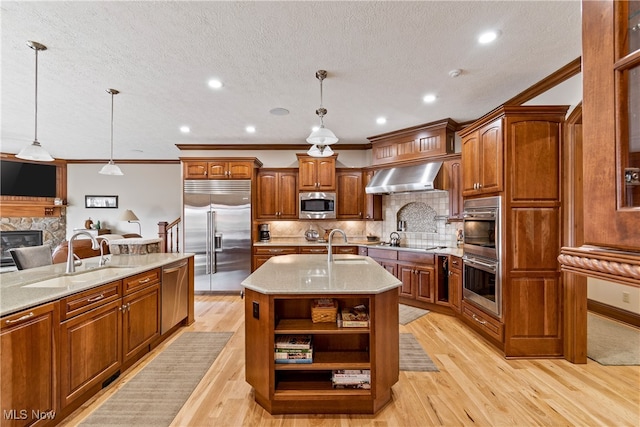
(404, 179)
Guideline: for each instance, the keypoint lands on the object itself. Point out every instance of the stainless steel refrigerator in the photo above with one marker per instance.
(217, 228)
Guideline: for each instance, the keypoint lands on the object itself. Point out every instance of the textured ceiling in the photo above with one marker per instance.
(381, 58)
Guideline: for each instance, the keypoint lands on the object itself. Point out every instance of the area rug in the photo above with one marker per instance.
(612, 343)
(408, 314)
(413, 356)
(154, 396)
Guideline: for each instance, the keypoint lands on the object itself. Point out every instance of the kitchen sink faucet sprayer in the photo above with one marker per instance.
(330, 255)
(71, 266)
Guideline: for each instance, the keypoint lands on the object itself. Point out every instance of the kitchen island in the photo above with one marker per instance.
(278, 302)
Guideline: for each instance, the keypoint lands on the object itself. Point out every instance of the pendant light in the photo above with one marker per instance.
(322, 137)
(34, 151)
(111, 168)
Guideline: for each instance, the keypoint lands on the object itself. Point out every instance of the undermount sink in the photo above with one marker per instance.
(82, 276)
(350, 261)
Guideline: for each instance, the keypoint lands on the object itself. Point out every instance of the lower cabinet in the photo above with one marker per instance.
(261, 254)
(455, 283)
(28, 364)
(140, 320)
(417, 273)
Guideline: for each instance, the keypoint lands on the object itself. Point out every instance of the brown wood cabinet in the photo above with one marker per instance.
(372, 203)
(220, 168)
(277, 194)
(28, 346)
(417, 273)
(262, 253)
(415, 143)
(307, 388)
(455, 283)
(316, 173)
(482, 151)
(452, 182)
(349, 194)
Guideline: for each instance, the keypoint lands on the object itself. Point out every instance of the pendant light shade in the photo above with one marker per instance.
(322, 137)
(111, 168)
(34, 151)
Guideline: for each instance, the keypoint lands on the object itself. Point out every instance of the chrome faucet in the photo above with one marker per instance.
(71, 266)
(103, 259)
(330, 255)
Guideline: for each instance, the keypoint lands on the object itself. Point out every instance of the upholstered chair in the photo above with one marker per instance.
(32, 256)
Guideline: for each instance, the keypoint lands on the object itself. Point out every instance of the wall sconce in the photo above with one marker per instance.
(130, 217)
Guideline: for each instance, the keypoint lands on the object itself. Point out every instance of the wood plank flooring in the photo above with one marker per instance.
(476, 386)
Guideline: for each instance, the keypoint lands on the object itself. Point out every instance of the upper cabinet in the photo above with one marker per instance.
(452, 182)
(611, 123)
(415, 143)
(372, 203)
(277, 194)
(349, 194)
(316, 173)
(482, 149)
(220, 168)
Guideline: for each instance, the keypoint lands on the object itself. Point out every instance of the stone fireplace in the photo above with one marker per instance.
(52, 229)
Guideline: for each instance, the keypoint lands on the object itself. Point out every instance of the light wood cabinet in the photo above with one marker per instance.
(307, 388)
(316, 173)
(277, 194)
(28, 353)
(482, 151)
(415, 143)
(219, 168)
(349, 194)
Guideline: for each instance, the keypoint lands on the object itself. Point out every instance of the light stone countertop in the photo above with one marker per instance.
(23, 289)
(313, 274)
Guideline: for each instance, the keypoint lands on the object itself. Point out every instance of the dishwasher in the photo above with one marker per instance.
(175, 291)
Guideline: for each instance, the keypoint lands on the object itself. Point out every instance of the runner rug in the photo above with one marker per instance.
(154, 396)
(612, 343)
(413, 356)
(407, 314)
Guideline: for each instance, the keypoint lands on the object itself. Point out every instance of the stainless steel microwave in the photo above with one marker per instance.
(317, 205)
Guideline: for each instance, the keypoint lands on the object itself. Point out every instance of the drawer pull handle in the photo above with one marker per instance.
(477, 319)
(20, 319)
(98, 298)
(275, 251)
(147, 280)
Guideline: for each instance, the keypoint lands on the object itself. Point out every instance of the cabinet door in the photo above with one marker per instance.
(491, 157)
(453, 174)
(349, 195)
(455, 289)
(140, 320)
(27, 361)
(424, 284)
(195, 170)
(470, 164)
(267, 197)
(288, 195)
(372, 203)
(240, 170)
(326, 170)
(406, 275)
(90, 350)
(391, 267)
(217, 170)
(308, 174)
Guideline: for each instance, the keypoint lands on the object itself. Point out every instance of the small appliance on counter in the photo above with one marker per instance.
(311, 235)
(394, 239)
(264, 233)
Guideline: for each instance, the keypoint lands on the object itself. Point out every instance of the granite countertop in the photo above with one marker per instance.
(313, 274)
(339, 241)
(23, 289)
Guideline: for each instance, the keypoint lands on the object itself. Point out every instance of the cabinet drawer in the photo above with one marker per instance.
(140, 280)
(87, 300)
(275, 250)
(313, 250)
(489, 325)
(418, 258)
(352, 250)
(383, 253)
(455, 263)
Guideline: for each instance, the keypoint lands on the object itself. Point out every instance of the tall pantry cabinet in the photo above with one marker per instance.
(519, 148)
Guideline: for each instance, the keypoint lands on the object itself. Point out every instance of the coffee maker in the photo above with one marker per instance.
(263, 231)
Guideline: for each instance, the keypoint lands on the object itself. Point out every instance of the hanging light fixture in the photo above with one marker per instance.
(34, 151)
(322, 137)
(111, 168)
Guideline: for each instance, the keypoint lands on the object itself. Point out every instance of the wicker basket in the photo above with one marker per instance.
(324, 310)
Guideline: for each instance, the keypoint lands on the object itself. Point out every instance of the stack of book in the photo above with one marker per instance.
(293, 349)
(354, 317)
(351, 378)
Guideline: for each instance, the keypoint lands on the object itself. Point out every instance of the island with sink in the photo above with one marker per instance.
(278, 302)
(66, 335)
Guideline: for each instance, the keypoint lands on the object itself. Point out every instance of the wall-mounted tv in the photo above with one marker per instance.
(27, 179)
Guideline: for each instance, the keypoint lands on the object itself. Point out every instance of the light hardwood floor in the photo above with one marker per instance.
(476, 386)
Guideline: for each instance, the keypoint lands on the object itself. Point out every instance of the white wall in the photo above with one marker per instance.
(151, 191)
(613, 294)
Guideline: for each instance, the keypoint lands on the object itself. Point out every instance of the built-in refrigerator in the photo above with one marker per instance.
(217, 229)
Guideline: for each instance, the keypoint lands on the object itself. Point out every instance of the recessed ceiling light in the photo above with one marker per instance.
(429, 98)
(250, 129)
(279, 111)
(215, 84)
(488, 37)
(381, 120)
(185, 129)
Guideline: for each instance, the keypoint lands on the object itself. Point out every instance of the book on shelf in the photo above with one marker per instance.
(351, 376)
(355, 317)
(363, 386)
(304, 356)
(294, 360)
(293, 341)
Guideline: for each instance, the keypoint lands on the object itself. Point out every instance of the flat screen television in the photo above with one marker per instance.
(27, 179)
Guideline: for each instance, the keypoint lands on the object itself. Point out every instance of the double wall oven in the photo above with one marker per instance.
(481, 260)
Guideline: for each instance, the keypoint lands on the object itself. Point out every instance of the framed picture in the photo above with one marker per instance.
(109, 202)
